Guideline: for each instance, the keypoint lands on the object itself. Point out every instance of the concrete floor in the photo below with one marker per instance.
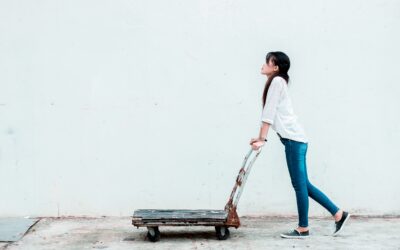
(255, 233)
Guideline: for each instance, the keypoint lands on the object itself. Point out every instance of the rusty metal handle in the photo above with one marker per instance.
(241, 179)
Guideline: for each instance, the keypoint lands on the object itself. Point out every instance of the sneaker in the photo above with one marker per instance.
(294, 234)
(339, 224)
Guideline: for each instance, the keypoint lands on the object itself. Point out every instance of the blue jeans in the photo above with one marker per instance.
(296, 161)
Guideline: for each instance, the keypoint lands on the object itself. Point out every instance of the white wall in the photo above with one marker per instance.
(110, 106)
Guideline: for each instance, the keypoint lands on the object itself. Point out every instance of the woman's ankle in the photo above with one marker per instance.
(302, 229)
(338, 215)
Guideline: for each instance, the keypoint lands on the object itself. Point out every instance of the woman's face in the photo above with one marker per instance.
(269, 68)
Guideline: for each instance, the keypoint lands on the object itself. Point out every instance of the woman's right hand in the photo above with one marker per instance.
(254, 140)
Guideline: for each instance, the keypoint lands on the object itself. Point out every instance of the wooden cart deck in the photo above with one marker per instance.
(180, 217)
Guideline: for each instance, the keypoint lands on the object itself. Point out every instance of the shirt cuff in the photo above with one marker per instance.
(268, 121)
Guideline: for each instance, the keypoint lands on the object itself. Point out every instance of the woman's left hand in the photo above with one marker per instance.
(257, 144)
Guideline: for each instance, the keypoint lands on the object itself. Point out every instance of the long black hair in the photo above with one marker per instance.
(281, 60)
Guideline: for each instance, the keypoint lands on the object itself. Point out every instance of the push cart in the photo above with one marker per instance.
(220, 219)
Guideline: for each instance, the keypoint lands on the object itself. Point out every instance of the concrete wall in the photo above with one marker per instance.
(110, 106)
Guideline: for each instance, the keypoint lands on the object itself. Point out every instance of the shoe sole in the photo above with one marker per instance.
(294, 237)
(341, 228)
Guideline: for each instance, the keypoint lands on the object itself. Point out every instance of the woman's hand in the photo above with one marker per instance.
(253, 140)
(256, 143)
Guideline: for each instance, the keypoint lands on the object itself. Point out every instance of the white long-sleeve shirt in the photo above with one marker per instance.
(278, 112)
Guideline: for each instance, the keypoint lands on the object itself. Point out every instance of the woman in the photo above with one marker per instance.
(278, 113)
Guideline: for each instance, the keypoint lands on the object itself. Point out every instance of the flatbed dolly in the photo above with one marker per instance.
(220, 219)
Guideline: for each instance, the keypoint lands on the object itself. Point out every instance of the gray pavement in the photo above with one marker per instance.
(255, 233)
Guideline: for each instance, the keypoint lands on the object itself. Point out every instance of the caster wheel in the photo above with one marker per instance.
(222, 232)
(153, 234)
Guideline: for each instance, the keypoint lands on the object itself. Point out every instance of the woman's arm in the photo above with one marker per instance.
(269, 111)
(264, 131)
(256, 143)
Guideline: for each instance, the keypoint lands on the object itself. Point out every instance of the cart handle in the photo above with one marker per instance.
(241, 178)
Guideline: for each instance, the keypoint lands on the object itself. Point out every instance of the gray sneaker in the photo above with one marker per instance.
(294, 234)
(339, 225)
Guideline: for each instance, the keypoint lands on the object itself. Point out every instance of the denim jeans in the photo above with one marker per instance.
(296, 161)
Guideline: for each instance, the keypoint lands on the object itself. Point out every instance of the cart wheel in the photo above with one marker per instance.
(153, 234)
(222, 232)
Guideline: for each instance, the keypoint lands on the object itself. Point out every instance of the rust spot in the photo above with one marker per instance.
(233, 218)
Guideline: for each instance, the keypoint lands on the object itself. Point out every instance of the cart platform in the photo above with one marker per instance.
(180, 217)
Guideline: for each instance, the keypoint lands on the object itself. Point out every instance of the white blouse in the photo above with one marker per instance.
(278, 112)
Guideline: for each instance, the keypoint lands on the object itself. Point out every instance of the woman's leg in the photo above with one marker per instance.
(341, 217)
(319, 196)
(295, 158)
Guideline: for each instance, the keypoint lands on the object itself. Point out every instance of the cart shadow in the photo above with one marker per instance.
(179, 235)
(189, 235)
(183, 235)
